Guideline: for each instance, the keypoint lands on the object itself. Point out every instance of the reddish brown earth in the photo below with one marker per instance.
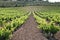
(57, 35)
(28, 31)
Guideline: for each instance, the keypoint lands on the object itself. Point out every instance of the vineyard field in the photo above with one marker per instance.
(30, 23)
(10, 20)
(48, 19)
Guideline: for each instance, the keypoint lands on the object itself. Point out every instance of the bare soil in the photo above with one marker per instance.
(57, 35)
(28, 31)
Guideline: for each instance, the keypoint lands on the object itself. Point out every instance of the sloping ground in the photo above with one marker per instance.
(28, 31)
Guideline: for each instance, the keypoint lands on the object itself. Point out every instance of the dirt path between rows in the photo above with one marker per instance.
(28, 31)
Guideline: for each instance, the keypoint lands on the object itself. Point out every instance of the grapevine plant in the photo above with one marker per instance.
(48, 29)
(10, 20)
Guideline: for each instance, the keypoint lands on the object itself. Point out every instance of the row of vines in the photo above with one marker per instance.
(48, 19)
(10, 20)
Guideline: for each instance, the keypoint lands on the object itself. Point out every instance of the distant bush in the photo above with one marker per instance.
(10, 4)
(7, 4)
(25, 3)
